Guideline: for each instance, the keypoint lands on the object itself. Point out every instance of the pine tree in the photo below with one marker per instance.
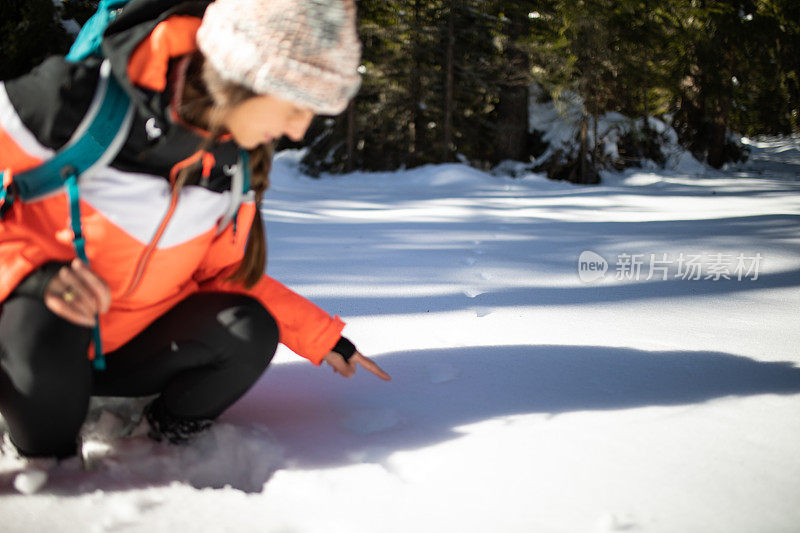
(447, 79)
(78, 10)
(31, 31)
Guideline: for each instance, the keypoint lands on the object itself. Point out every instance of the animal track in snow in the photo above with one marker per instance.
(616, 522)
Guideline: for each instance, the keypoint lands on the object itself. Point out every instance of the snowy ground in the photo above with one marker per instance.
(523, 398)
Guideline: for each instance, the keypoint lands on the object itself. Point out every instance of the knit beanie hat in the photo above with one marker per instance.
(303, 51)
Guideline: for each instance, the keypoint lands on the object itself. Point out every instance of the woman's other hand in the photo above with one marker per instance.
(77, 294)
(348, 368)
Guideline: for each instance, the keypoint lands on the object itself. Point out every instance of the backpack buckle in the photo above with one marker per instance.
(7, 192)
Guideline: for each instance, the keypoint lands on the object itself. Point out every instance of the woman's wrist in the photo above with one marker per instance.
(345, 348)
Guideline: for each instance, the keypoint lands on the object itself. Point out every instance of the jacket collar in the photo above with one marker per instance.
(140, 51)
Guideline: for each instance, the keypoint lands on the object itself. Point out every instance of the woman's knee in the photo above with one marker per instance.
(233, 326)
(45, 379)
(254, 330)
(242, 340)
(49, 428)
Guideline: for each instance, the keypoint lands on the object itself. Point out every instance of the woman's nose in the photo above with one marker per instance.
(299, 125)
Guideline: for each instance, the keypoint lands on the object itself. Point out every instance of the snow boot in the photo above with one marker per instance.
(176, 430)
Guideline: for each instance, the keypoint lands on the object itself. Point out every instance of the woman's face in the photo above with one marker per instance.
(261, 119)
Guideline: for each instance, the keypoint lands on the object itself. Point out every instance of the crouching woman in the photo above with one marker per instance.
(174, 295)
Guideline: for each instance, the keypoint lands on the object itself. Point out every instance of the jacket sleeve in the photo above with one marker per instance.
(26, 237)
(304, 328)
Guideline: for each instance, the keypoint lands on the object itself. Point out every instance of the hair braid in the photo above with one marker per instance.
(206, 97)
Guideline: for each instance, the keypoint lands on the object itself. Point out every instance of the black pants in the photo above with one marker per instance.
(201, 357)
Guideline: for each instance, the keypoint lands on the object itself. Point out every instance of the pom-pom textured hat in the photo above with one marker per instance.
(303, 51)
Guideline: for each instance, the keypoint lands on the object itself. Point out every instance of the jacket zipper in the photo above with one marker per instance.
(208, 163)
(145, 258)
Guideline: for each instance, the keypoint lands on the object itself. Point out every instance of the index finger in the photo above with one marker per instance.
(98, 287)
(367, 363)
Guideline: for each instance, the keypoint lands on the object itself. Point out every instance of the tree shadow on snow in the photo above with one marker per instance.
(547, 248)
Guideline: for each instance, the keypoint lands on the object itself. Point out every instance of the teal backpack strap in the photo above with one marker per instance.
(240, 186)
(90, 38)
(6, 194)
(96, 142)
(71, 183)
(244, 161)
(73, 196)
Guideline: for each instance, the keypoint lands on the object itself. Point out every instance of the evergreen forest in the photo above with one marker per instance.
(454, 80)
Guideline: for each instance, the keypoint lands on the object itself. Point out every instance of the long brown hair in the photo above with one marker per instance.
(205, 98)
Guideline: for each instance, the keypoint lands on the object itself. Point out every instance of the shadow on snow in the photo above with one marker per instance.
(305, 418)
(324, 420)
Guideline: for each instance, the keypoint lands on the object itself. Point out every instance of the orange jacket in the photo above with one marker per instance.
(152, 252)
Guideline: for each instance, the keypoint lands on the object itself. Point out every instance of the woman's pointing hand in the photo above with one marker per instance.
(348, 368)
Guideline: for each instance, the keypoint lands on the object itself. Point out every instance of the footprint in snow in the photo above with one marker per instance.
(122, 514)
(472, 293)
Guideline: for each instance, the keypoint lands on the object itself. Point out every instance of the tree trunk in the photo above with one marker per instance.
(596, 144)
(417, 126)
(448, 97)
(512, 107)
(645, 80)
(351, 135)
(512, 123)
(584, 171)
